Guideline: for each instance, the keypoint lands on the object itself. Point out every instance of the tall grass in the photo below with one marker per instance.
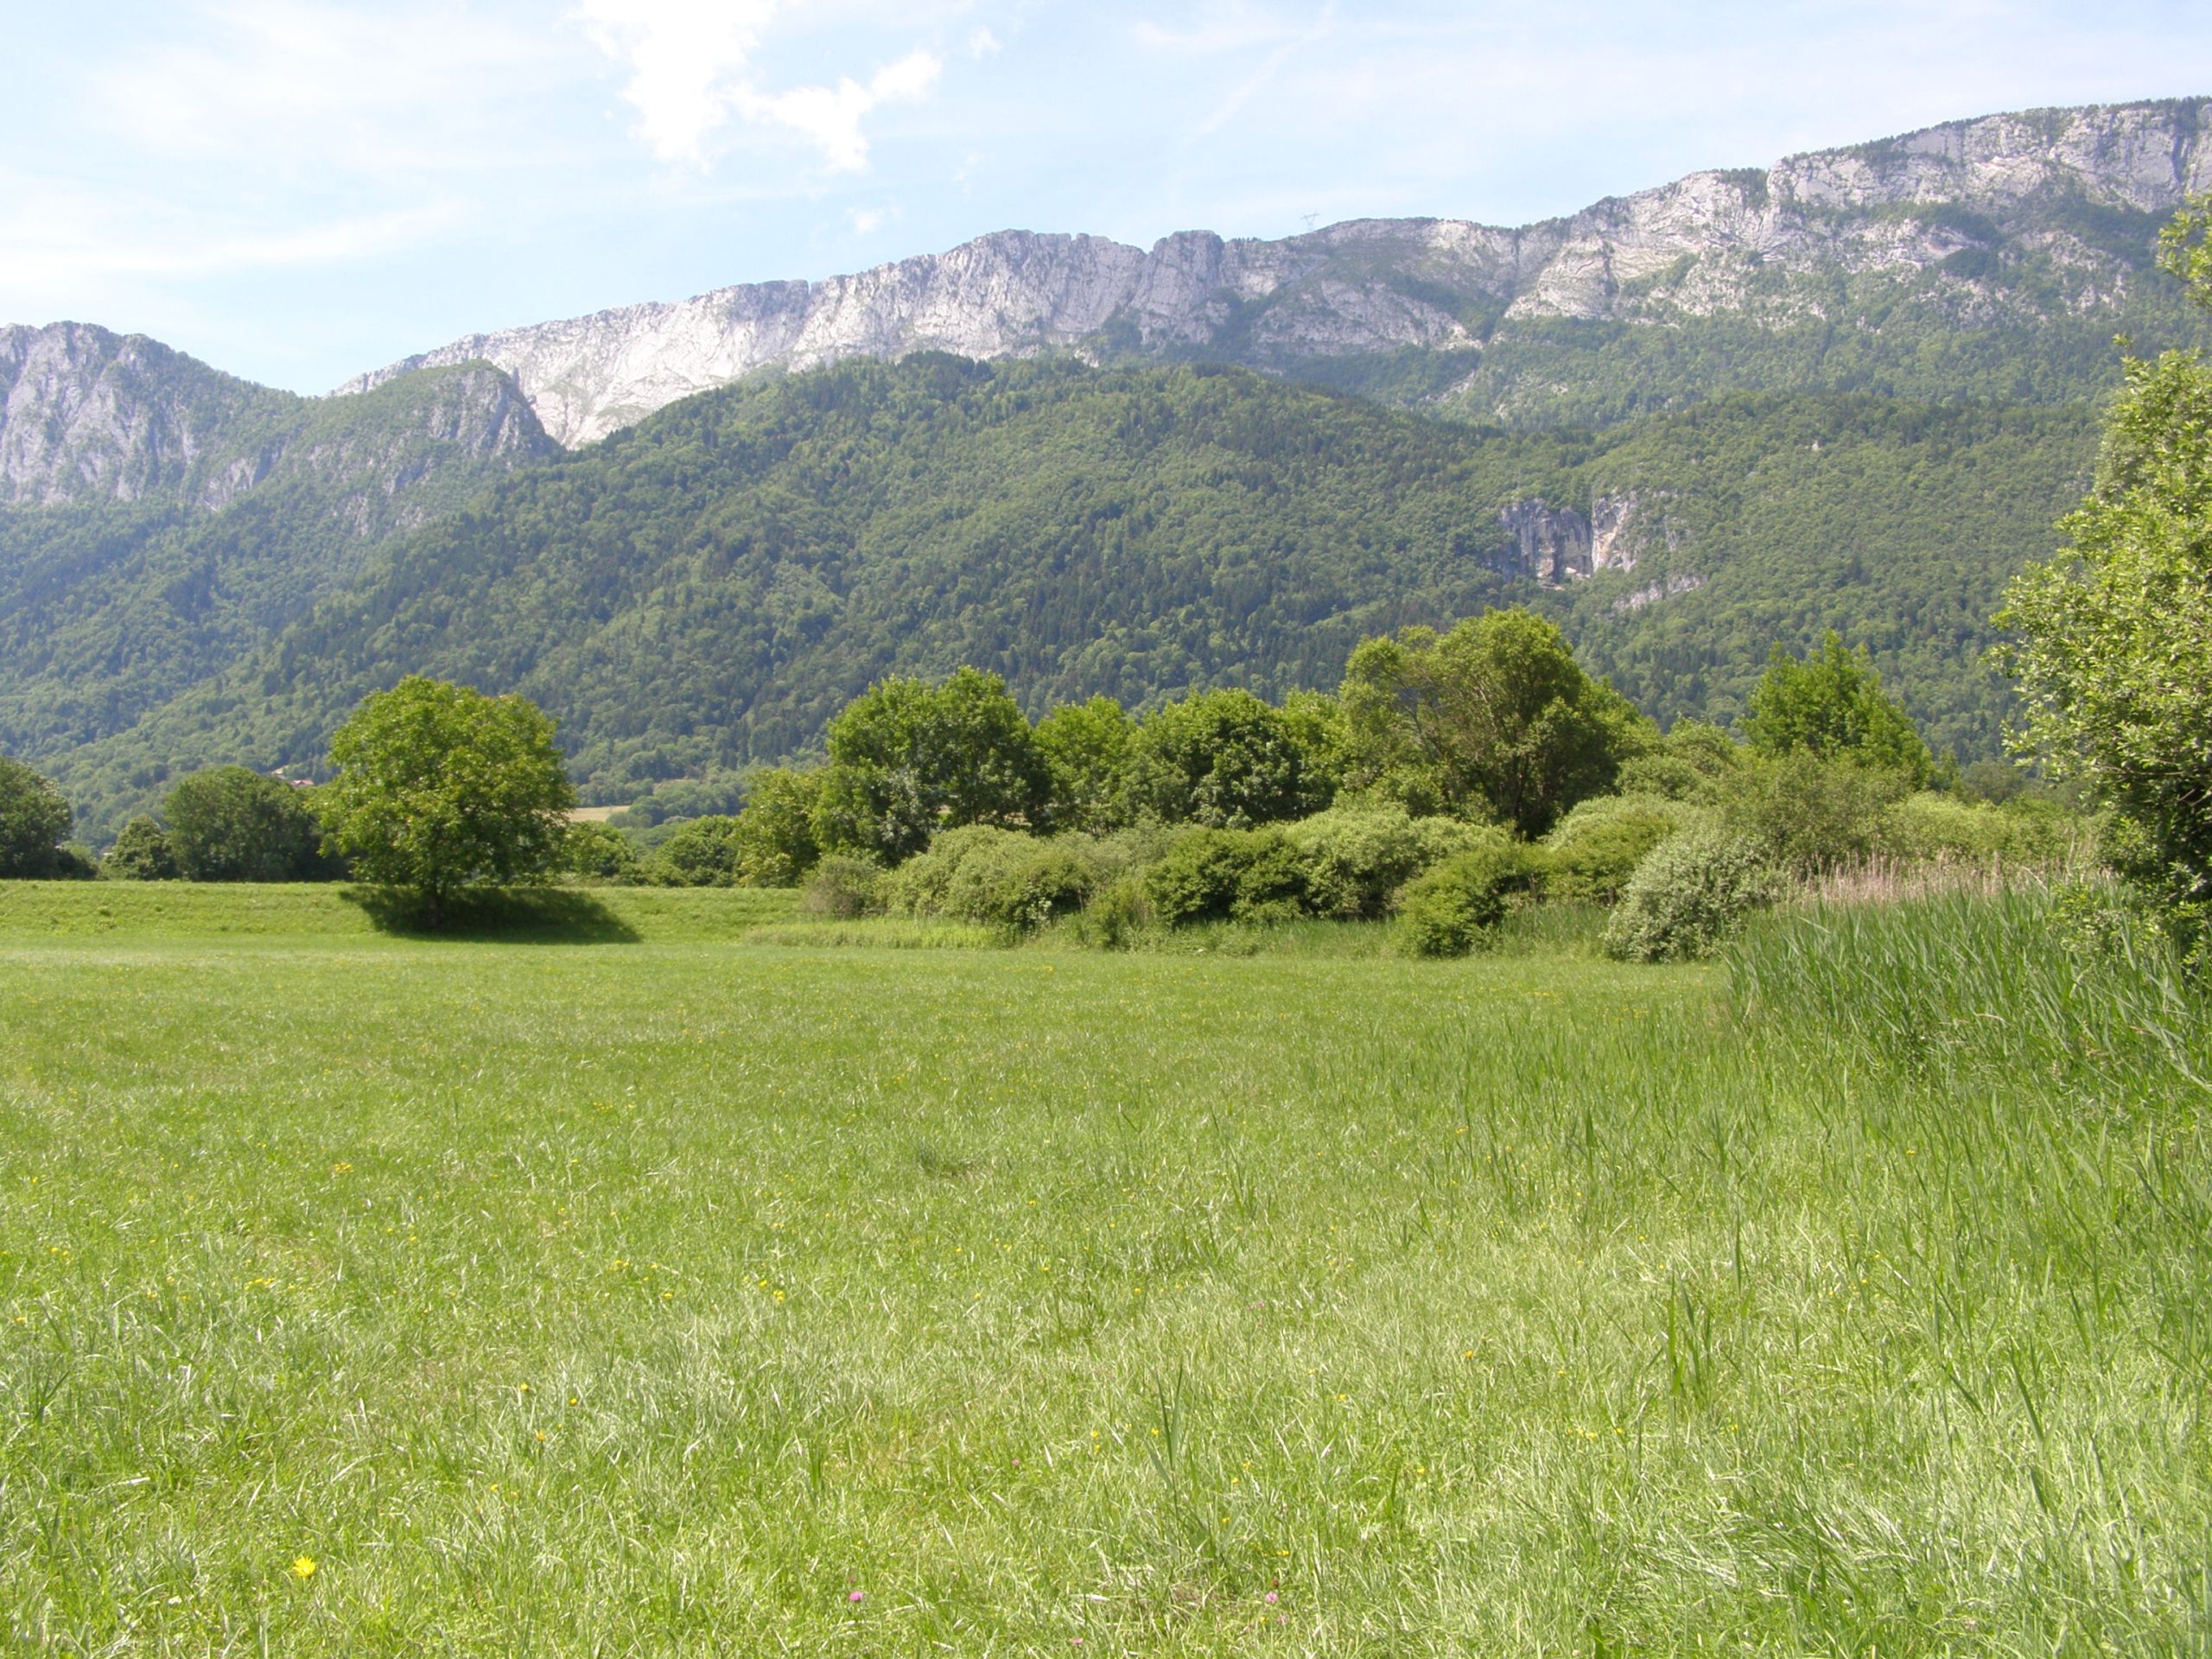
(1981, 977)
(685, 1296)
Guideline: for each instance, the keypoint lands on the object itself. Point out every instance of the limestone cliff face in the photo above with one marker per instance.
(90, 416)
(1557, 545)
(1938, 211)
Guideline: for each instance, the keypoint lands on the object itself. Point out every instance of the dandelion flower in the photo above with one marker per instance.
(303, 1566)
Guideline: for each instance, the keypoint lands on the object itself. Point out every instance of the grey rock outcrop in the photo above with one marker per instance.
(1937, 210)
(86, 415)
(1557, 545)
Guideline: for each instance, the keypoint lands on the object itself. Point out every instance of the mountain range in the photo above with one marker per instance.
(1853, 390)
(1926, 265)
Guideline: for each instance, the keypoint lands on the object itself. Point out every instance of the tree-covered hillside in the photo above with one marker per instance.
(708, 588)
(108, 607)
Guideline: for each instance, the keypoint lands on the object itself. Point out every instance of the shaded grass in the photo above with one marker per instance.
(881, 932)
(659, 1298)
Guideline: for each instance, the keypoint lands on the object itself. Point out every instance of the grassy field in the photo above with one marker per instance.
(617, 1286)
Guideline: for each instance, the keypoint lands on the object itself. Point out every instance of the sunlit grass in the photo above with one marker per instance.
(682, 1294)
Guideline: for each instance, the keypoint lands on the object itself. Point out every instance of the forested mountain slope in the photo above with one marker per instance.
(167, 519)
(705, 588)
(1993, 258)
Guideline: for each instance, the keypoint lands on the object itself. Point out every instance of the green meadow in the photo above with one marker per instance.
(653, 1273)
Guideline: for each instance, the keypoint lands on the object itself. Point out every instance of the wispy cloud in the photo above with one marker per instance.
(1238, 30)
(1269, 66)
(288, 86)
(1231, 27)
(52, 239)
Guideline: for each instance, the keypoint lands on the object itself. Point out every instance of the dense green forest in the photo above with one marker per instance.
(705, 590)
(109, 608)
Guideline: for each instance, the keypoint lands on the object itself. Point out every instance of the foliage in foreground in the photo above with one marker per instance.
(1973, 989)
(2114, 660)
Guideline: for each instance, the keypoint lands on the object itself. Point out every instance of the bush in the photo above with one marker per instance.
(922, 886)
(1928, 827)
(1690, 896)
(1046, 880)
(592, 851)
(141, 853)
(1811, 814)
(1117, 914)
(1597, 846)
(843, 887)
(703, 853)
(1235, 874)
(999, 877)
(1355, 857)
(1447, 912)
(73, 861)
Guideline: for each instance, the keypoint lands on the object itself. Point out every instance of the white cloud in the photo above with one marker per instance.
(982, 44)
(830, 116)
(868, 220)
(691, 67)
(688, 60)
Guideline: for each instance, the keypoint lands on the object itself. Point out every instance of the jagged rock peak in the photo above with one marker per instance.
(86, 413)
(1709, 243)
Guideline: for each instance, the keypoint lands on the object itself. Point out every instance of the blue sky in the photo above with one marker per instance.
(296, 190)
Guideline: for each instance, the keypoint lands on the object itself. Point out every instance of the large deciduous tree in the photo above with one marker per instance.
(1086, 747)
(1228, 760)
(2114, 654)
(142, 853)
(1495, 717)
(440, 788)
(231, 823)
(908, 759)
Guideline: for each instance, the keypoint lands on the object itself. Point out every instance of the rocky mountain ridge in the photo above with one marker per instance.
(2020, 220)
(89, 415)
(159, 520)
